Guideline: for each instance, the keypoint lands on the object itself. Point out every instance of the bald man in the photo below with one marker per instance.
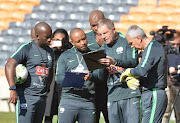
(77, 104)
(30, 96)
(94, 43)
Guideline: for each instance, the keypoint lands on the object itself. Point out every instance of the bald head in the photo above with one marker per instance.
(42, 27)
(96, 15)
(33, 35)
(75, 31)
(43, 34)
(78, 39)
(94, 18)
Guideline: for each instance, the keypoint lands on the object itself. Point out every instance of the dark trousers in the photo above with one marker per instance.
(154, 104)
(71, 111)
(30, 109)
(101, 102)
(124, 111)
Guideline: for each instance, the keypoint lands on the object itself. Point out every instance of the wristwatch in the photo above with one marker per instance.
(12, 87)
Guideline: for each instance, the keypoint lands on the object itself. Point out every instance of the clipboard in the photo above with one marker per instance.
(74, 79)
(91, 59)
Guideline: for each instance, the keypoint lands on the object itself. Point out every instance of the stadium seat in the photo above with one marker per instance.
(167, 3)
(30, 23)
(114, 2)
(169, 21)
(130, 2)
(127, 24)
(147, 26)
(8, 40)
(70, 1)
(158, 13)
(132, 18)
(25, 7)
(8, 1)
(89, 1)
(17, 16)
(83, 25)
(38, 15)
(5, 48)
(58, 16)
(23, 39)
(121, 9)
(15, 31)
(49, 1)
(141, 9)
(34, 2)
(26, 32)
(68, 24)
(115, 16)
(87, 7)
(4, 25)
(45, 7)
(147, 3)
(17, 24)
(108, 8)
(79, 16)
(67, 7)
(4, 15)
(8, 6)
(55, 24)
(119, 25)
(175, 15)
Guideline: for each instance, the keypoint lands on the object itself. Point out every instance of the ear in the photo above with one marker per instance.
(114, 30)
(139, 38)
(71, 42)
(37, 36)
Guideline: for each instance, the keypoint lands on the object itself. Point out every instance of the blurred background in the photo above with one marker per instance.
(17, 17)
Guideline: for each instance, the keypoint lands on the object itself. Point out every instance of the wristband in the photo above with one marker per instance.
(12, 87)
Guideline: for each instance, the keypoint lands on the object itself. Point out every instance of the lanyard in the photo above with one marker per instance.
(79, 61)
(44, 64)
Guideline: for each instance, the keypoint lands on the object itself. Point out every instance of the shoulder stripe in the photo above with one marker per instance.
(88, 31)
(147, 55)
(133, 53)
(20, 48)
(121, 35)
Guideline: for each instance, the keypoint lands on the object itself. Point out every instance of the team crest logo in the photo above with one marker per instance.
(119, 50)
(62, 110)
(49, 58)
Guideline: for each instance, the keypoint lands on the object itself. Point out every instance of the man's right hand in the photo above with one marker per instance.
(13, 97)
(99, 40)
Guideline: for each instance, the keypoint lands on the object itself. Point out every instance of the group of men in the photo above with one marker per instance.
(119, 90)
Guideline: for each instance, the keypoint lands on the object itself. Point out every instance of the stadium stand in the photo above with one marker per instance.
(19, 16)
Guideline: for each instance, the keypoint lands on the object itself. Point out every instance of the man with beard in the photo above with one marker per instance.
(77, 104)
(123, 103)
